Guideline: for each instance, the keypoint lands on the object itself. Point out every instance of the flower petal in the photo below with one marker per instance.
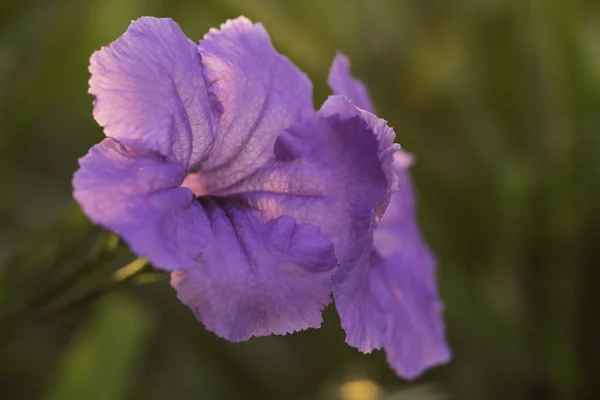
(389, 299)
(392, 301)
(242, 276)
(344, 108)
(342, 82)
(258, 279)
(262, 94)
(151, 91)
(136, 193)
(327, 173)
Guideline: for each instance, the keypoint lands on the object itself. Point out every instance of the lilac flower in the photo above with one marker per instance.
(390, 299)
(217, 168)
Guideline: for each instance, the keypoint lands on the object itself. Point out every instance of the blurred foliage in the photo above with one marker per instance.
(498, 99)
(83, 373)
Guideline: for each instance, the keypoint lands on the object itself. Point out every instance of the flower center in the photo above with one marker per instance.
(194, 182)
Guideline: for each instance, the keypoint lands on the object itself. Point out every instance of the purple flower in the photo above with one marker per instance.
(217, 168)
(389, 299)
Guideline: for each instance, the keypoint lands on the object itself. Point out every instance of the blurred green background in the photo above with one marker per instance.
(498, 100)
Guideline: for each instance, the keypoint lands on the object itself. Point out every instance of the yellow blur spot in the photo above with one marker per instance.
(130, 269)
(362, 389)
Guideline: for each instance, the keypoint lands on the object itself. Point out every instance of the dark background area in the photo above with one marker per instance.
(498, 100)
